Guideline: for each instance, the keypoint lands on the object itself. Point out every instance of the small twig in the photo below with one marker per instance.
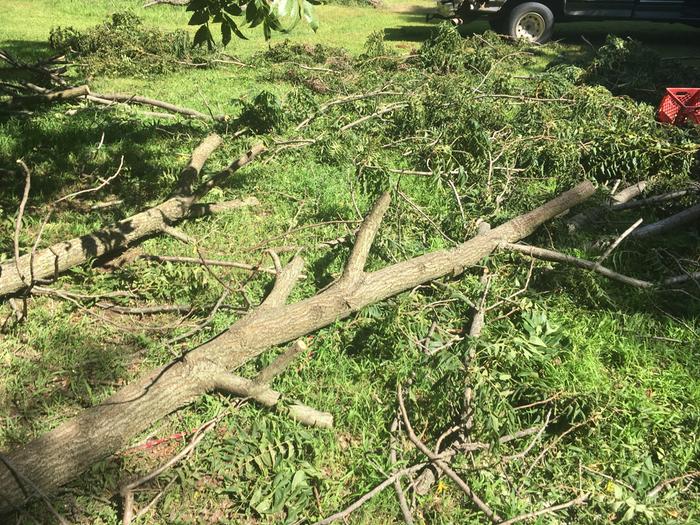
(146, 310)
(126, 490)
(609, 478)
(201, 326)
(300, 228)
(20, 214)
(40, 290)
(538, 403)
(103, 183)
(552, 445)
(617, 242)
(403, 504)
(155, 500)
(439, 463)
(344, 100)
(665, 483)
(209, 262)
(580, 500)
(532, 443)
(369, 495)
(425, 216)
(166, 2)
(380, 112)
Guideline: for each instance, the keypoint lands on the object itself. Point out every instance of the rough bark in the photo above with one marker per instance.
(62, 454)
(49, 262)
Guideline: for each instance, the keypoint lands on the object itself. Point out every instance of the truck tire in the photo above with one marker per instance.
(531, 21)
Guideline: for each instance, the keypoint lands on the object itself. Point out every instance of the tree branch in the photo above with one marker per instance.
(670, 223)
(439, 463)
(63, 453)
(51, 261)
(242, 387)
(285, 283)
(550, 255)
(580, 500)
(365, 238)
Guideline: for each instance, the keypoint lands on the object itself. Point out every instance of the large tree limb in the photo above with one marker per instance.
(62, 454)
(51, 96)
(51, 261)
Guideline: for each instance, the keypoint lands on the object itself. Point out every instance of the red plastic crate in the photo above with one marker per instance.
(680, 105)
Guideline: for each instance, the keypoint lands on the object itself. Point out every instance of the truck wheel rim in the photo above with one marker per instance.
(530, 26)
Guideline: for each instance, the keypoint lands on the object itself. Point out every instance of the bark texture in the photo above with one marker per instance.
(62, 454)
(49, 262)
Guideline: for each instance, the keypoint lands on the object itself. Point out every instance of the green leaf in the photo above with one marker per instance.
(628, 515)
(234, 27)
(203, 35)
(196, 5)
(253, 13)
(233, 9)
(199, 17)
(309, 16)
(225, 33)
(299, 479)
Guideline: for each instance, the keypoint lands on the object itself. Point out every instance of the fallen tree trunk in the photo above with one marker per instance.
(62, 454)
(49, 262)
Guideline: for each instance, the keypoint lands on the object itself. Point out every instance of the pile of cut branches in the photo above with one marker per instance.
(456, 141)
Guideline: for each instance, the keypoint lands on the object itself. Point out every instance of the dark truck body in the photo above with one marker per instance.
(500, 11)
(654, 10)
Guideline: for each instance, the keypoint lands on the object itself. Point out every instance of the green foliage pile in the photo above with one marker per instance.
(122, 45)
(509, 142)
(264, 113)
(475, 130)
(627, 67)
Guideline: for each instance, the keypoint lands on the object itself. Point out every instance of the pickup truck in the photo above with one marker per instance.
(534, 21)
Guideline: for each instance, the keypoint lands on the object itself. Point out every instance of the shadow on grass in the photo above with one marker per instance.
(27, 50)
(49, 379)
(71, 153)
(665, 39)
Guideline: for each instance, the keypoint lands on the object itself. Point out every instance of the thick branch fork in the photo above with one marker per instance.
(62, 454)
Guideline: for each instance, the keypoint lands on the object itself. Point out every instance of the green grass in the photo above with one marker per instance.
(619, 367)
